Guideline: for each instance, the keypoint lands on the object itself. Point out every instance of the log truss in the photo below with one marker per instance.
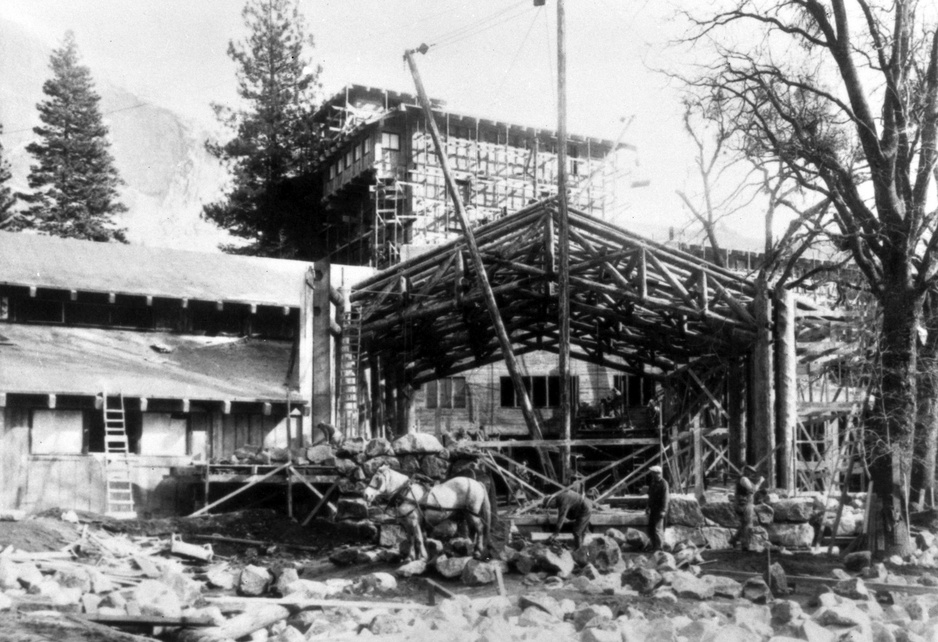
(635, 305)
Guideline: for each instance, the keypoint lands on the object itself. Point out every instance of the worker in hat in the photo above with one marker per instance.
(659, 495)
(746, 488)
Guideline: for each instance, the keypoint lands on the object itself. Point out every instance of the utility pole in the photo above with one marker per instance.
(563, 276)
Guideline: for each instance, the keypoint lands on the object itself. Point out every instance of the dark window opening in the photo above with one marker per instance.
(544, 391)
(449, 392)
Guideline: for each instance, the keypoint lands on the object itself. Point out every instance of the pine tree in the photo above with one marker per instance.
(269, 204)
(74, 181)
(7, 199)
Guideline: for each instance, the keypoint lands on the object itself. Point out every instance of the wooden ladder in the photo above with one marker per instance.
(351, 346)
(120, 492)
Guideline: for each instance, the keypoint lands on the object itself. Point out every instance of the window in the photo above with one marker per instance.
(357, 150)
(544, 391)
(366, 146)
(4, 308)
(332, 171)
(40, 311)
(390, 142)
(636, 391)
(348, 159)
(449, 392)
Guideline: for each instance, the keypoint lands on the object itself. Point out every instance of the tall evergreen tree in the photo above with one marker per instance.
(74, 181)
(269, 203)
(7, 199)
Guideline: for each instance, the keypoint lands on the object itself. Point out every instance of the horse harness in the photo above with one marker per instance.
(399, 497)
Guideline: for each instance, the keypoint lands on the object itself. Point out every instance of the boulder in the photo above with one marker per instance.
(617, 536)
(559, 563)
(378, 447)
(376, 582)
(643, 580)
(321, 455)
(371, 466)
(755, 619)
(722, 513)
(778, 580)
(683, 510)
(756, 590)
(854, 588)
(724, 586)
(155, 598)
(434, 467)
(785, 612)
(791, 535)
(636, 539)
(476, 573)
(350, 487)
(346, 467)
(417, 443)
(351, 508)
(285, 578)
(391, 535)
(588, 613)
(717, 537)
(856, 562)
(451, 567)
(351, 447)
(688, 585)
(410, 464)
(540, 601)
(417, 567)
(602, 552)
(797, 510)
(254, 580)
(344, 556)
(674, 535)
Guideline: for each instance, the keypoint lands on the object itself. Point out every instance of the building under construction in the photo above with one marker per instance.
(135, 370)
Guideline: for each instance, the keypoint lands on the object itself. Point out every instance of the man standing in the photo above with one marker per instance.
(659, 495)
(574, 507)
(746, 490)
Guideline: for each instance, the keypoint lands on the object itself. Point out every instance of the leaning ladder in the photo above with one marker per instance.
(351, 346)
(120, 495)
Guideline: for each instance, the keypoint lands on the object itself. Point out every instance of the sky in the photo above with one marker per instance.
(491, 58)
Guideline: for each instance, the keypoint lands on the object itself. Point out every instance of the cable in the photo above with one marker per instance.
(479, 27)
(501, 85)
(459, 31)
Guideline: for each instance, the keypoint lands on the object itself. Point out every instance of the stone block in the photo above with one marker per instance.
(417, 443)
(795, 509)
(856, 562)
(434, 467)
(724, 586)
(410, 464)
(778, 580)
(589, 612)
(852, 588)
(559, 563)
(756, 590)
(378, 447)
(791, 535)
(321, 455)
(683, 510)
(722, 513)
(391, 535)
(371, 466)
(351, 509)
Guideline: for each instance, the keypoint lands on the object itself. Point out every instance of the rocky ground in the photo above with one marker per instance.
(258, 575)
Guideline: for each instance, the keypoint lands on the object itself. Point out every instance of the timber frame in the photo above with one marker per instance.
(710, 336)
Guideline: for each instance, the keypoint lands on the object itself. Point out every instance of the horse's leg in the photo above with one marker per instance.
(419, 542)
(475, 531)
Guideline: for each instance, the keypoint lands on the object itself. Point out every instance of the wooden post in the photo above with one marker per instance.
(762, 410)
(736, 408)
(316, 345)
(786, 380)
(377, 414)
(490, 303)
(563, 275)
(698, 457)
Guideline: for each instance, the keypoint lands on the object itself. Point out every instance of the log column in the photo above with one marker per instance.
(315, 345)
(736, 407)
(786, 381)
(761, 415)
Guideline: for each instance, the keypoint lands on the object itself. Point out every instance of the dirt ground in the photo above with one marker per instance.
(284, 542)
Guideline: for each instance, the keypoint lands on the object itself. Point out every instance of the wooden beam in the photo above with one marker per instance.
(787, 387)
(111, 297)
(556, 443)
(762, 414)
(258, 480)
(267, 409)
(186, 405)
(144, 404)
(226, 407)
(51, 400)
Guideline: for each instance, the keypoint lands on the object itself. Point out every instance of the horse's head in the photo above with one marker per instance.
(378, 485)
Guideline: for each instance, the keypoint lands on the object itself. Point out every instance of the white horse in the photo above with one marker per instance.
(413, 503)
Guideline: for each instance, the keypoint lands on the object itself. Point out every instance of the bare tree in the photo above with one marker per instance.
(846, 96)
